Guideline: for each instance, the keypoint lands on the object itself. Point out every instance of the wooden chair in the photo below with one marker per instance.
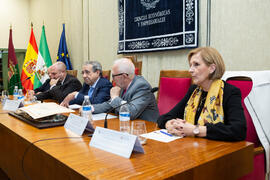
(258, 173)
(72, 72)
(106, 74)
(137, 64)
(173, 85)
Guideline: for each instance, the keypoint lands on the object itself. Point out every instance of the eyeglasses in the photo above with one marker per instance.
(114, 75)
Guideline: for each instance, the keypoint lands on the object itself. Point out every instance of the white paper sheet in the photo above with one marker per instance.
(101, 116)
(74, 106)
(162, 137)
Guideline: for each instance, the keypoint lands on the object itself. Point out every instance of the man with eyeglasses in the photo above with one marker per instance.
(95, 86)
(61, 83)
(129, 86)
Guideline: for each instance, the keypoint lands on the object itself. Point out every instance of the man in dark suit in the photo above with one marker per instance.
(95, 86)
(61, 84)
(129, 86)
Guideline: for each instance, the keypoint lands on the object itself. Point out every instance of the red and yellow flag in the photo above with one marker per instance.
(30, 61)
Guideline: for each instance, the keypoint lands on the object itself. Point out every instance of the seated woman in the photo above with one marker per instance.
(211, 108)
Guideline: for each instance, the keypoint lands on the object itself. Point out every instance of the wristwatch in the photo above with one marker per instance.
(196, 130)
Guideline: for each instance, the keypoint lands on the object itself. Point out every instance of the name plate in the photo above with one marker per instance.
(11, 105)
(76, 124)
(116, 142)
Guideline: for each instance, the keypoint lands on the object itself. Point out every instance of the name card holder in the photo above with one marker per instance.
(77, 124)
(116, 142)
(11, 105)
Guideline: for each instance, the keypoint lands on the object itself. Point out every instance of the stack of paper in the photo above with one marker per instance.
(41, 110)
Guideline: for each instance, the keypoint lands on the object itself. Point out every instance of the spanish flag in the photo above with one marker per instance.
(30, 61)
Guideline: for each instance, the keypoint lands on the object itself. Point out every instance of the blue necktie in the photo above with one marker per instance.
(90, 92)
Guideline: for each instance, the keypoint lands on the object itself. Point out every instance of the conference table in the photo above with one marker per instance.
(60, 154)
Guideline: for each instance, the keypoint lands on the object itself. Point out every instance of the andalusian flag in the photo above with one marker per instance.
(43, 62)
(30, 61)
(13, 69)
(62, 54)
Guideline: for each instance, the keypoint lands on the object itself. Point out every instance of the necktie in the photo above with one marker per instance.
(124, 92)
(90, 92)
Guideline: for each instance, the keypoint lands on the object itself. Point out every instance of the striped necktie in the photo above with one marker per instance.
(90, 92)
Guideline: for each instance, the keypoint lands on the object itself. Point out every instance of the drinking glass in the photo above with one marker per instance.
(138, 128)
(4, 96)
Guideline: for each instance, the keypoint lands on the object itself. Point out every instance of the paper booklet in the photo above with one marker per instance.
(41, 110)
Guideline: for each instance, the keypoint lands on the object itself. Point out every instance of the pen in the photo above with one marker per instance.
(168, 134)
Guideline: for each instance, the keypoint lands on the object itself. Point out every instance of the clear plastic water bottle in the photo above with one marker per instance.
(86, 109)
(15, 93)
(20, 96)
(124, 117)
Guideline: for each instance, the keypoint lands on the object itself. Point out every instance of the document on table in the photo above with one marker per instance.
(161, 135)
(41, 110)
(74, 106)
(101, 116)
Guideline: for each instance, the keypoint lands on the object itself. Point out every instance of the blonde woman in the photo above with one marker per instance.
(211, 108)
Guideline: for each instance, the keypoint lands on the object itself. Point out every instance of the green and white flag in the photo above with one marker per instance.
(43, 62)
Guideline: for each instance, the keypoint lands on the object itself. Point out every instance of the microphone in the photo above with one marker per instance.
(153, 90)
(16, 84)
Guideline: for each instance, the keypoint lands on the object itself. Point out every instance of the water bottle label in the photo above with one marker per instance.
(20, 97)
(124, 114)
(86, 108)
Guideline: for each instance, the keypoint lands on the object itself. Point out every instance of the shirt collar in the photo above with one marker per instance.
(94, 85)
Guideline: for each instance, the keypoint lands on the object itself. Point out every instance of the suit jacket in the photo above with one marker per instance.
(44, 87)
(144, 107)
(100, 94)
(234, 126)
(60, 91)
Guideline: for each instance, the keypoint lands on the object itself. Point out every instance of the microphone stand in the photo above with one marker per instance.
(153, 90)
(16, 84)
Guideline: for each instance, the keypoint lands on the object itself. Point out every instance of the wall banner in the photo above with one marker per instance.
(155, 25)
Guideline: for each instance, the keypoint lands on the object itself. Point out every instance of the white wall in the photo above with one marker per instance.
(241, 32)
(103, 31)
(15, 12)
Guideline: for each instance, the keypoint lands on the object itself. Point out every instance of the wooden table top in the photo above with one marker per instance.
(186, 158)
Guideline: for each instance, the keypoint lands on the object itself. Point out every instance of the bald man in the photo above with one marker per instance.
(61, 84)
(129, 86)
(45, 86)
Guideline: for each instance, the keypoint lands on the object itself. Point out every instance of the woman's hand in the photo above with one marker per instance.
(186, 128)
(173, 127)
(180, 127)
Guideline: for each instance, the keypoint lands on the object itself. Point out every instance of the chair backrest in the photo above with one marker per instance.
(245, 86)
(137, 64)
(173, 85)
(72, 72)
(106, 74)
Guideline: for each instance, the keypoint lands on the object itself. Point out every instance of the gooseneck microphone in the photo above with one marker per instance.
(16, 84)
(153, 90)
